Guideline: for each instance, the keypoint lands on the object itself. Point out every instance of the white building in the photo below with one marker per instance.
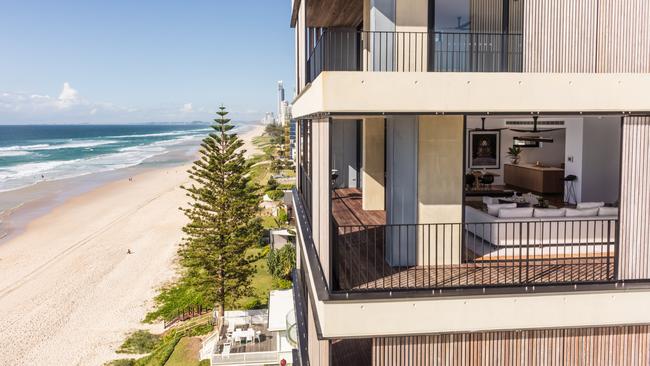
(255, 337)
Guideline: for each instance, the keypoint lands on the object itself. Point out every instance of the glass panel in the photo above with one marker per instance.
(452, 16)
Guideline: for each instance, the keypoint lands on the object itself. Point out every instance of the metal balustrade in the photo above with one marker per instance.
(459, 255)
(382, 51)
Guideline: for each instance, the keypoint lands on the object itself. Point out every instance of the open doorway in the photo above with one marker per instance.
(555, 162)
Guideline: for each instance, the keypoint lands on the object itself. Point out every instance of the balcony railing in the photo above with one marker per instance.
(474, 255)
(252, 358)
(344, 50)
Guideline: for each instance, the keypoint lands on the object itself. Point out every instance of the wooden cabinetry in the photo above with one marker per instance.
(535, 179)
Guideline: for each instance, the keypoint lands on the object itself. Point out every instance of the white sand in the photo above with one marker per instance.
(69, 293)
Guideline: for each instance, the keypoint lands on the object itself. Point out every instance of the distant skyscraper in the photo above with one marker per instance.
(280, 97)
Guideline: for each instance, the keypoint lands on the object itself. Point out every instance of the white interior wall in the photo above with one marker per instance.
(573, 151)
(382, 15)
(548, 153)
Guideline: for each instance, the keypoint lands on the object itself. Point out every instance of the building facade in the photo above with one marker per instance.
(471, 182)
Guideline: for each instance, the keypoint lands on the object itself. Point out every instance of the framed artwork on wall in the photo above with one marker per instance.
(484, 149)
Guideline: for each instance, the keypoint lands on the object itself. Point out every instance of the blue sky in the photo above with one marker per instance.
(120, 61)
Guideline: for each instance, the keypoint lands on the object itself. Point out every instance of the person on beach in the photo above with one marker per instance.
(128, 251)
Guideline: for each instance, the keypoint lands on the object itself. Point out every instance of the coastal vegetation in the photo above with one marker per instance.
(224, 263)
(167, 344)
(139, 342)
(224, 224)
(281, 262)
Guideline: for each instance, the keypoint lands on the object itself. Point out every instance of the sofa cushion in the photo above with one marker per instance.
(583, 205)
(515, 213)
(549, 212)
(490, 200)
(585, 212)
(608, 211)
(494, 209)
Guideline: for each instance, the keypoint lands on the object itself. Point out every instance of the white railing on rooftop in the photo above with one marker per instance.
(250, 358)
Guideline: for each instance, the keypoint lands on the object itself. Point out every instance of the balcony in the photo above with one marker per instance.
(381, 51)
(370, 255)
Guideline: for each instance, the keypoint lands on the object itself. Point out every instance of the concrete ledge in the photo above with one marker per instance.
(483, 313)
(429, 92)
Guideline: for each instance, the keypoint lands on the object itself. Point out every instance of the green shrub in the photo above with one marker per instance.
(121, 362)
(283, 218)
(204, 363)
(271, 184)
(173, 299)
(282, 284)
(139, 342)
(281, 262)
(252, 304)
(275, 195)
(202, 329)
(161, 354)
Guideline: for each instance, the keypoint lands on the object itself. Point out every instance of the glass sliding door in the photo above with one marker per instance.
(475, 35)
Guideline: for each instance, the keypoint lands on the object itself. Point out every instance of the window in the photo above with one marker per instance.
(451, 16)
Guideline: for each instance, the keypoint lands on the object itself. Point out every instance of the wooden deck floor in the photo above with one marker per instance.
(347, 209)
(266, 343)
(360, 259)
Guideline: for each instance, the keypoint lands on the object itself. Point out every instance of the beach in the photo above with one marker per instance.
(69, 292)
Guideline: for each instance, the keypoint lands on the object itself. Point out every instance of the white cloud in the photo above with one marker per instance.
(187, 108)
(70, 106)
(68, 96)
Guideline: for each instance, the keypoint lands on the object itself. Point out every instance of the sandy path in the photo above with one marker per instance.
(69, 293)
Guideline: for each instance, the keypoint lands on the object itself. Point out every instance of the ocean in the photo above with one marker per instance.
(34, 153)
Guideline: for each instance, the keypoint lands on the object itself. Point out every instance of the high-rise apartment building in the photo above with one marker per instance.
(472, 182)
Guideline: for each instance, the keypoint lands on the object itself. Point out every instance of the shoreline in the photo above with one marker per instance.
(69, 293)
(36, 200)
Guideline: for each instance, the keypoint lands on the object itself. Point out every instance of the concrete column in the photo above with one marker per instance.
(373, 180)
(440, 187)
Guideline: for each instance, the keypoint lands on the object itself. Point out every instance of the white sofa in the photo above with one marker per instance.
(504, 232)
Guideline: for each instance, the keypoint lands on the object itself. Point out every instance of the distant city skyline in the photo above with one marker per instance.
(147, 61)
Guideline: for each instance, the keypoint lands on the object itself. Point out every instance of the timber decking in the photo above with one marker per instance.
(347, 209)
(359, 259)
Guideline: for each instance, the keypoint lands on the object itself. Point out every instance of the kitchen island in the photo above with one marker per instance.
(539, 179)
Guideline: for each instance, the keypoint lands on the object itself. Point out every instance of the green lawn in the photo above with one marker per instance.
(260, 173)
(262, 281)
(186, 352)
(268, 222)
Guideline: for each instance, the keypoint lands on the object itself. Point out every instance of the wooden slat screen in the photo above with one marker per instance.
(486, 15)
(626, 345)
(624, 36)
(560, 35)
(634, 253)
(586, 36)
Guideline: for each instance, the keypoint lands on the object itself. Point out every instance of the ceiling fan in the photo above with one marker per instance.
(535, 138)
(486, 129)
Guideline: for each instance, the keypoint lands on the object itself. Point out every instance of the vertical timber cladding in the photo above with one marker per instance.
(634, 251)
(586, 36)
(624, 36)
(626, 345)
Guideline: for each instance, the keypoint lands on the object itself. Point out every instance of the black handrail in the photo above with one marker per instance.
(474, 255)
(385, 51)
